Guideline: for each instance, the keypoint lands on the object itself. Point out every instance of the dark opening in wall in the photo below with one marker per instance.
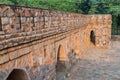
(60, 66)
(18, 74)
(0, 24)
(92, 37)
(45, 54)
(19, 17)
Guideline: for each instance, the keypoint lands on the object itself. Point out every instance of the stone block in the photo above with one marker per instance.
(42, 19)
(36, 19)
(15, 20)
(4, 14)
(23, 19)
(7, 36)
(17, 27)
(14, 55)
(2, 44)
(10, 13)
(5, 20)
(2, 32)
(27, 13)
(25, 27)
(46, 19)
(4, 52)
(2, 37)
(4, 58)
(31, 20)
(24, 51)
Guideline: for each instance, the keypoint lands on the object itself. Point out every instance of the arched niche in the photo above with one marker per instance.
(18, 74)
(92, 37)
(61, 53)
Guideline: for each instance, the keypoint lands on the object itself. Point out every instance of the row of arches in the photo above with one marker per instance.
(19, 74)
(75, 52)
(61, 51)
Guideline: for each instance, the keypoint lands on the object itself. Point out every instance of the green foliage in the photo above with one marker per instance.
(5, 2)
(85, 6)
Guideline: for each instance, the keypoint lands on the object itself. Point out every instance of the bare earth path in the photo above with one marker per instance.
(98, 65)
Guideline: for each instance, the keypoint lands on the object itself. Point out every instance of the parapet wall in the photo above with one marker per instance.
(33, 39)
(22, 22)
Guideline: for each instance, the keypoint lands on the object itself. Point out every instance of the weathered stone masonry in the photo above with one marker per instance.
(31, 38)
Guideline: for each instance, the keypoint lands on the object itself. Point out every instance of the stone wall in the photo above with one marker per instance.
(101, 25)
(30, 39)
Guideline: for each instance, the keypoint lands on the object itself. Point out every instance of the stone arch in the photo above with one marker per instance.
(61, 53)
(92, 37)
(18, 74)
(61, 62)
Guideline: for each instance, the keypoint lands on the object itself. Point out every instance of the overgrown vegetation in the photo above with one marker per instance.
(77, 6)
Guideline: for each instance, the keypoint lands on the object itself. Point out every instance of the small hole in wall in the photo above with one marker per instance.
(0, 24)
(45, 54)
(92, 37)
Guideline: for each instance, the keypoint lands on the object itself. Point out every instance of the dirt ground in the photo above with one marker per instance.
(98, 64)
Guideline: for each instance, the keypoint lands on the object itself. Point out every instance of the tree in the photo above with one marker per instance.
(102, 8)
(14, 2)
(85, 6)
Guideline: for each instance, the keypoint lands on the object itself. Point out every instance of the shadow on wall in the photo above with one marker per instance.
(18, 74)
(0, 25)
(63, 67)
(72, 56)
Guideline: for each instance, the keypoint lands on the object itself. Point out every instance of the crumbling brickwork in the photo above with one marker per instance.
(30, 39)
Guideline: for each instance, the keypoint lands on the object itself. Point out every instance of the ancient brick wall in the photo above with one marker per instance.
(101, 26)
(32, 39)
